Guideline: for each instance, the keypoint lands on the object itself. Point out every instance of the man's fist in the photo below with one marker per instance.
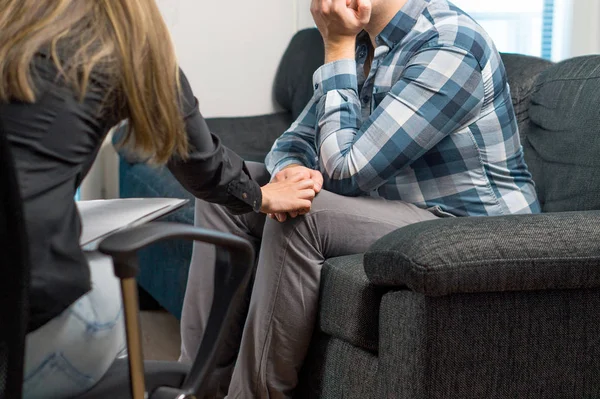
(340, 20)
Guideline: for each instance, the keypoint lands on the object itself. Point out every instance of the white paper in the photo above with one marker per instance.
(104, 217)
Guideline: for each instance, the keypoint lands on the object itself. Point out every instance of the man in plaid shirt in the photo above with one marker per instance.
(411, 120)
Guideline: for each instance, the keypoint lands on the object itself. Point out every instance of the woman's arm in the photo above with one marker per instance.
(214, 173)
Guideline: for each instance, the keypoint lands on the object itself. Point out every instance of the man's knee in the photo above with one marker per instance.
(325, 200)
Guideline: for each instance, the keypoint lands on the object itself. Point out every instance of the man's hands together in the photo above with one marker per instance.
(339, 21)
(295, 173)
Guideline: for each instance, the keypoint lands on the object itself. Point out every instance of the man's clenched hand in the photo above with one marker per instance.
(339, 21)
(293, 172)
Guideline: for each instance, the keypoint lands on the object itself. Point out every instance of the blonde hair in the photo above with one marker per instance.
(125, 41)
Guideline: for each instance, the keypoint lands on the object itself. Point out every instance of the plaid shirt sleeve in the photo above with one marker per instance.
(297, 144)
(440, 90)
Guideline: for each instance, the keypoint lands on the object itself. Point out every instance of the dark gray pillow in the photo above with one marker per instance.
(293, 83)
(562, 146)
(250, 137)
(522, 72)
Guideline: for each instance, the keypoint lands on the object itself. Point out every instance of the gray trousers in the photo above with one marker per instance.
(276, 324)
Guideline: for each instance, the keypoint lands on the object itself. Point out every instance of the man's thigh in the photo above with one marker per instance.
(218, 217)
(348, 225)
(258, 172)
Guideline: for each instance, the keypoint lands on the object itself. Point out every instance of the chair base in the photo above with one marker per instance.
(115, 383)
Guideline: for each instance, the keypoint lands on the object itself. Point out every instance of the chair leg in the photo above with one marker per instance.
(134, 337)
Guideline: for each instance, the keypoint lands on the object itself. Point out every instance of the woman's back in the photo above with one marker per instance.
(54, 142)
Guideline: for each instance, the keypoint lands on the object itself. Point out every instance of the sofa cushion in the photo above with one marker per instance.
(293, 83)
(522, 72)
(349, 307)
(563, 139)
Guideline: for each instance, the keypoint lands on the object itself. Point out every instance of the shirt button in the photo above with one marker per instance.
(362, 54)
(366, 99)
(316, 86)
(245, 195)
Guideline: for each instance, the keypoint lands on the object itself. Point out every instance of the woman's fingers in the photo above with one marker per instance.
(307, 194)
(307, 177)
(305, 184)
(304, 205)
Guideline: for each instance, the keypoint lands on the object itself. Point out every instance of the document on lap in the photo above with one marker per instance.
(101, 218)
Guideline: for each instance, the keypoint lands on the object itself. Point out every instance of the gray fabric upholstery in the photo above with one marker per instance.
(335, 369)
(349, 307)
(495, 346)
(563, 141)
(293, 83)
(522, 72)
(510, 253)
(250, 137)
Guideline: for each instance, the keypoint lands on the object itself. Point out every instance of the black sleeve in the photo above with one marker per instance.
(212, 172)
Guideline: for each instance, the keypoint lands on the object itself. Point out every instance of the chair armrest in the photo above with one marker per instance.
(123, 246)
(234, 261)
(490, 254)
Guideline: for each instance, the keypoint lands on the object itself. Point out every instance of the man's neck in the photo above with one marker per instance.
(381, 16)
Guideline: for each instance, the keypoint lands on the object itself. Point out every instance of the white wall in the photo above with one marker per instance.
(230, 50)
(585, 31)
(102, 181)
(305, 19)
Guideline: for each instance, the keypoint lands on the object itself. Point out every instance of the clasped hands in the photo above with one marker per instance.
(291, 192)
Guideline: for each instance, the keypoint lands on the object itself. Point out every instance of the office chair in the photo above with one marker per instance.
(153, 380)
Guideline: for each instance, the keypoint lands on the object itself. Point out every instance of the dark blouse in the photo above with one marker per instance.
(55, 141)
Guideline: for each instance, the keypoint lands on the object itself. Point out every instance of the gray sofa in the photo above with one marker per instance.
(503, 307)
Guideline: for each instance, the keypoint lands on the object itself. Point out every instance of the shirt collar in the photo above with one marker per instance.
(402, 23)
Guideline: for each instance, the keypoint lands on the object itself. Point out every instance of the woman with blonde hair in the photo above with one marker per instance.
(69, 71)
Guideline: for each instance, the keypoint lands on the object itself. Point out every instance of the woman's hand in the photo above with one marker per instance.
(290, 195)
(339, 21)
(295, 171)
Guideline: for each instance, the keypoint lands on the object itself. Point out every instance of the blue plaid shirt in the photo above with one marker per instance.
(432, 124)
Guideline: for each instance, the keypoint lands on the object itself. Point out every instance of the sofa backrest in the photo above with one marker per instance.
(293, 83)
(561, 136)
(522, 72)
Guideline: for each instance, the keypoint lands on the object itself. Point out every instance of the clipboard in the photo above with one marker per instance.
(101, 218)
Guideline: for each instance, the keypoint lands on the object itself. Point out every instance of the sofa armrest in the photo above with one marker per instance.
(491, 254)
